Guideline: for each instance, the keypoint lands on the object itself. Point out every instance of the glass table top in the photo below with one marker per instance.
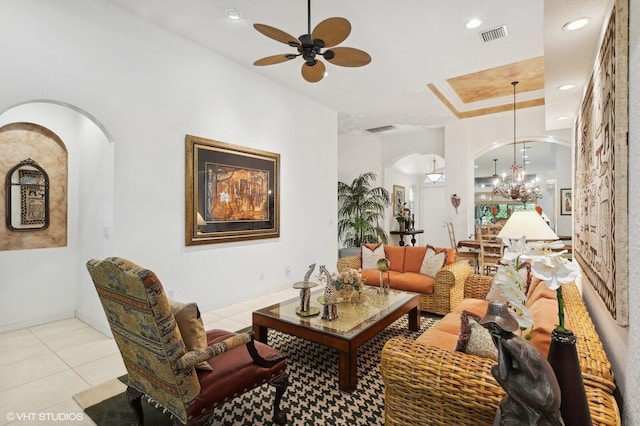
(353, 317)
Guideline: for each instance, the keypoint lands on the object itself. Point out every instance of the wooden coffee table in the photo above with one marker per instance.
(357, 322)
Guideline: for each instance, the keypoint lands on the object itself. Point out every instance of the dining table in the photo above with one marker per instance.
(493, 245)
(489, 245)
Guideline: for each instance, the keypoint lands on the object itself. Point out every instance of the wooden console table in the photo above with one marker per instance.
(412, 233)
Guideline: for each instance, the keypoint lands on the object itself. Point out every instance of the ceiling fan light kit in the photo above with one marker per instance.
(327, 34)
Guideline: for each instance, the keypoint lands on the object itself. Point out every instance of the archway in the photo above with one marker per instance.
(90, 196)
(547, 159)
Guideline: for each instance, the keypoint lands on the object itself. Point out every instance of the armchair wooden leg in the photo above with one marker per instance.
(280, 383)
(134, 398)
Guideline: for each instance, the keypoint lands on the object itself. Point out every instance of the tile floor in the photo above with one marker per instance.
(42, 367)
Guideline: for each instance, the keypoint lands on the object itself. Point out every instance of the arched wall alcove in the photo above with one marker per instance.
(43, 285)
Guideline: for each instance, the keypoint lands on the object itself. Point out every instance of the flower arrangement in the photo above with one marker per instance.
(352, 277)
(403, 214)
(550, 266)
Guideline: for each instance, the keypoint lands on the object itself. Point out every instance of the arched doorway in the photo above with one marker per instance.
(546, 159)
(59, 290)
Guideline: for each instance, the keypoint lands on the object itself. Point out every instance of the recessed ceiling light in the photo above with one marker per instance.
(233, 14)
(566, 86)
(473, 23)
(575, 24)
(562, 117)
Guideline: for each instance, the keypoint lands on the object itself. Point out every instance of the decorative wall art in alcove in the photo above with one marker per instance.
(232, 192)
(34, 165)
(27, 196)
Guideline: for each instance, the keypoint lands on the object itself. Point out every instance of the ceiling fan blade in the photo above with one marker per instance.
(277, 35)
(275, 59)
(349, 57)
(313, 73)
(332, 31)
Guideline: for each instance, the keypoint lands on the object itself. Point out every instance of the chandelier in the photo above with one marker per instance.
(516, 187)
(434, 176)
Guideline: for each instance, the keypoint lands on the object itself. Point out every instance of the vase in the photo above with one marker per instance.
(402, 226)
(563, 358)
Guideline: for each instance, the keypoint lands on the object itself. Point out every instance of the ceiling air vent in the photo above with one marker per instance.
(494, 34)
(381, 129)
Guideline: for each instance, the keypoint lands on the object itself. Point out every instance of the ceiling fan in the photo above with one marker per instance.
(326, 34)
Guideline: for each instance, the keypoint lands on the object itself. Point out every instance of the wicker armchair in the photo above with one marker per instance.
(448, 288)
(427, 385)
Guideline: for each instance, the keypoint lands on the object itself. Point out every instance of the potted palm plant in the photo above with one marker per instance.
(360, 209)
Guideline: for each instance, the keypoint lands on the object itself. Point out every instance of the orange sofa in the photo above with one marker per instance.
(438, 294)
(428, 382)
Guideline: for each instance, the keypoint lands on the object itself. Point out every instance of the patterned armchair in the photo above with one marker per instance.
(158, 364)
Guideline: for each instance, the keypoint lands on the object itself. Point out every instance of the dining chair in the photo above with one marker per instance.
(470, 256)
(488, 259)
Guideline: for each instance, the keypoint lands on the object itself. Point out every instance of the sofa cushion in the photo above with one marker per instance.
(372, 276)
(411, 281)
(438, 338)
(539, 290)
(477, 306)
(474, 339)
(395, 254)
(450, 323)
(432, 262)
(465, 330)
(413, 257)
(370, 255)
(191, 328)
(545, 318)
(450, 254)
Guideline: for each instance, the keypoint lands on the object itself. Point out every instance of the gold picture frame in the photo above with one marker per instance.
(232, 192)
(398, 199)
(566, 201)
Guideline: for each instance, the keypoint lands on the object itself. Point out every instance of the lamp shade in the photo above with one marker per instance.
(433, 177)
(528, 223)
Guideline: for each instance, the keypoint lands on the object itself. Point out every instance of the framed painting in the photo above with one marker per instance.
(398, 198)
(566, 201)
(232, 192)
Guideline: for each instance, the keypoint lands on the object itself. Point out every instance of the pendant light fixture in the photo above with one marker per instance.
(516, 187)
(495, 170)
(434, 176)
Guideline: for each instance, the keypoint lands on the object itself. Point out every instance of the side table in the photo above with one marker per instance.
(412, 233)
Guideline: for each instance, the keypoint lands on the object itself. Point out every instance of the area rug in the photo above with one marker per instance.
(312, 398)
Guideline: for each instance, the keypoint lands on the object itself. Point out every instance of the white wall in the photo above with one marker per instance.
(149, 88)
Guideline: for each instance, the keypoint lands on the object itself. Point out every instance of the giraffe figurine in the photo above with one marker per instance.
(305, 291)
(305, 309)
(330, 307)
